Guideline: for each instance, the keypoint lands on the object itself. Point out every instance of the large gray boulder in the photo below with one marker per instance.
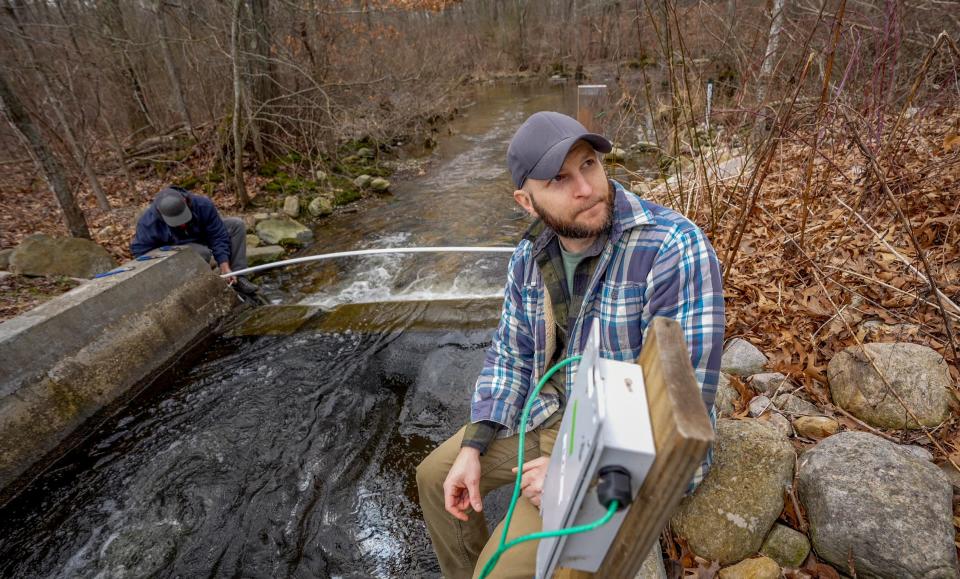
(885, 511)
(916, 373)
(280, 231)
(741, 358)
(70, 256)
(729, 515)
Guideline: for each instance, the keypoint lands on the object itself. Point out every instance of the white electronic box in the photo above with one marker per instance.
(606, 423)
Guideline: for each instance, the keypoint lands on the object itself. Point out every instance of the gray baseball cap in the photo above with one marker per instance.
(172, 207)
(540, 145)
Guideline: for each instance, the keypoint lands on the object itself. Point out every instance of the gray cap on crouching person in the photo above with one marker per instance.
(173, 207)
(542, 142)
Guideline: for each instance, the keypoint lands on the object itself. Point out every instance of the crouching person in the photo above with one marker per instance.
(178, 217)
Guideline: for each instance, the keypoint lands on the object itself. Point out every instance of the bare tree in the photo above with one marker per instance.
(172, 73)
(237, 105)
(85, 164)
(49, 165)
(765, 79)
(114, 30)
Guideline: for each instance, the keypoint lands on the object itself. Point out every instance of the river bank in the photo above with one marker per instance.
(802, 296)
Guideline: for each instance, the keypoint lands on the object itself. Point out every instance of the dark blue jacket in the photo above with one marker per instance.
(205, 228)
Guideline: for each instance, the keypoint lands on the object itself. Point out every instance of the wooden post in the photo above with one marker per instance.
(682, 434)
(593, 103)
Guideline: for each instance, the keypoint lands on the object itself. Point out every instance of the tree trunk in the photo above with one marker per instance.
(263, 63)
(68, 135)
(171, 66)
(120, 153)
(770, 54)
(51, 168)
(241, 189)
(111, 19)
(521, 27)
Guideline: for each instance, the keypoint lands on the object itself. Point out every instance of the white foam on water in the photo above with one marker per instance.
(374, 279)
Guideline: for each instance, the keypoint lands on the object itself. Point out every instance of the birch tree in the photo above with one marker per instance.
(765, 79)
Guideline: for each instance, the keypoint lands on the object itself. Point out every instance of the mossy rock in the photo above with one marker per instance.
(379, 184)
(346, 196)
(362, 181)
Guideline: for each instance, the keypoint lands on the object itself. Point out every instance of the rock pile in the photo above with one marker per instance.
(873, 508)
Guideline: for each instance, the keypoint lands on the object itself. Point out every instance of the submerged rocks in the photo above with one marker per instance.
(70, 256)
(280, 231)
(916, 373)
(732, 510)
(741, 358)
(886, 512)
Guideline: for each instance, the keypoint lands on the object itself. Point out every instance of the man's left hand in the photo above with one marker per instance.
(531, 483)
(225, 268)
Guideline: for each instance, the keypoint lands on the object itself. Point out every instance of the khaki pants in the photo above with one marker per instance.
(464, 547)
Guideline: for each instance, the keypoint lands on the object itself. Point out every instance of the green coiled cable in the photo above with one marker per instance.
(504, 545)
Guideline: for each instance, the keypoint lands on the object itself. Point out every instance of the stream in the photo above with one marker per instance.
(291, 453)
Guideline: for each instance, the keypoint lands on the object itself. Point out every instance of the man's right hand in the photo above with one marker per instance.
(461, 489)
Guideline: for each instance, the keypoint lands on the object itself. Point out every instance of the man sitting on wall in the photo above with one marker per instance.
(178, 217)
(596, 255)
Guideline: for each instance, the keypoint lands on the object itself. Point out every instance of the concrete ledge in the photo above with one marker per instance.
(67, 359)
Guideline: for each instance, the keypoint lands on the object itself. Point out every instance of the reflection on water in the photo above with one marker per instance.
(293, 455)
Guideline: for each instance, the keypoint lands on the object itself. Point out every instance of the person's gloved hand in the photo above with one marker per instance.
(225, 268)
(534, 473)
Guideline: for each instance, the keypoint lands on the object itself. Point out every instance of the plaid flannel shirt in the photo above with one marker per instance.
(655, 262)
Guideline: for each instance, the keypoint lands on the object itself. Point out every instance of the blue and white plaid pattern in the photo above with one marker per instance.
(656, 263)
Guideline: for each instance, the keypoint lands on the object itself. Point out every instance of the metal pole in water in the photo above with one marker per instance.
(381, 251)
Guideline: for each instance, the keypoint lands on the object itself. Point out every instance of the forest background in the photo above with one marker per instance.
(841, 225)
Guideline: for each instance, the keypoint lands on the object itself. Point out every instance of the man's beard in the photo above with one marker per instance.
(572, 230)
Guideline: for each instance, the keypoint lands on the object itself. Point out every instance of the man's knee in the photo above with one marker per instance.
(430, 473)
(234, 225)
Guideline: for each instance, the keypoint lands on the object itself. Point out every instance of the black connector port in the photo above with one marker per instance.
(613, 484)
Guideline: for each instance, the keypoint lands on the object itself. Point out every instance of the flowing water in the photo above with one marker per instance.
(293, 455)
